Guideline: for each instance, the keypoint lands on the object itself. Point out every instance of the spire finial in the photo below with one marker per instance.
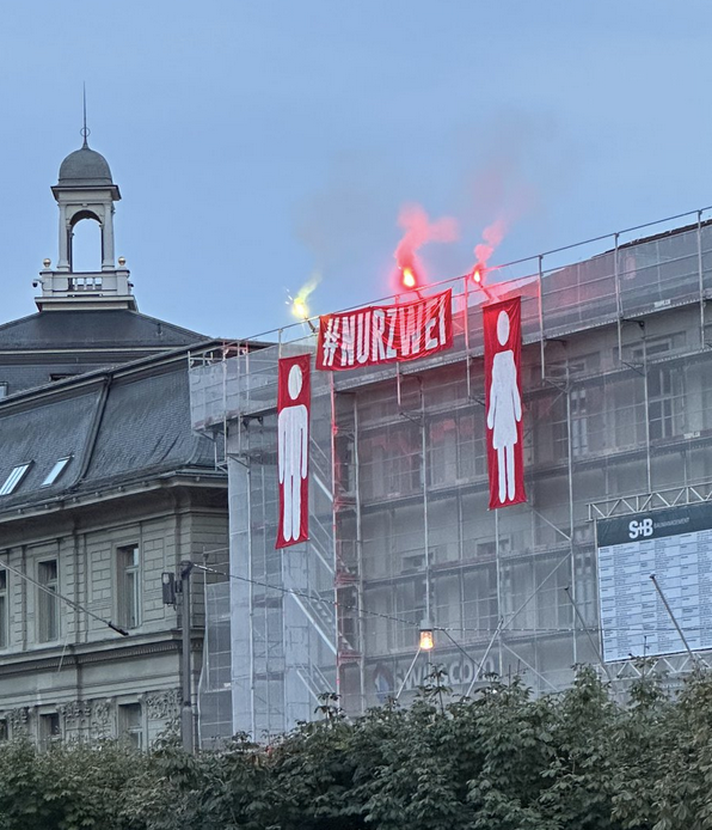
(85, 131)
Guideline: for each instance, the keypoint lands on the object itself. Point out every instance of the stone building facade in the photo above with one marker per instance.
(103, 489)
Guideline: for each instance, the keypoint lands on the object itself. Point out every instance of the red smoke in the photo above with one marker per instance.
(419, 230)
(492, 236)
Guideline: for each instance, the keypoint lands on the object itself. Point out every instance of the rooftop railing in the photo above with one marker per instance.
(603, 280)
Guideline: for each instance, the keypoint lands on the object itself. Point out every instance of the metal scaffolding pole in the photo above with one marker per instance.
(596, 647)
(500, 599)
(359, 555)
(619, 302)
(646, 397)
(542, 339)
(570, 483)
(672, 617)
(701, 278)
(334, 523)
(426, 534)
(250, 589)
(466, 325)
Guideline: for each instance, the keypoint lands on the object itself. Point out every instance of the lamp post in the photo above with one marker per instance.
(186, 715)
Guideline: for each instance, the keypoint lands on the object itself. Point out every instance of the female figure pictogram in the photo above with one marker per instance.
(293, 436)
(505, 411)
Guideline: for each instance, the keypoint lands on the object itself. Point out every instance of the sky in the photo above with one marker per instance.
(260, 143)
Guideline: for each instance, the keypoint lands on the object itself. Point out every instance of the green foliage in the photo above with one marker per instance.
(68, 787)
(581, 760)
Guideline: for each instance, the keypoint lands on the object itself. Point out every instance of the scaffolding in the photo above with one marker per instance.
(617, 388)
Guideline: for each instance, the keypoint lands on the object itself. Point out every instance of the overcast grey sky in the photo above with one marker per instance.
(257, 142)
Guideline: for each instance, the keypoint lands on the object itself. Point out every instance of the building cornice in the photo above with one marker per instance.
(77, 655)
(119, 489)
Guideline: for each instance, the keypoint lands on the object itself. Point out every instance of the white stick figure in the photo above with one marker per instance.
(505, 410)
(292, 431)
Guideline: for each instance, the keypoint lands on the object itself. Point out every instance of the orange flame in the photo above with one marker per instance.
(408, 278)
(418, 231)
(492, 236)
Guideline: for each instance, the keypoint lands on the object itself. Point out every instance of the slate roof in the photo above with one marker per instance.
(85, 329)
(119, 426)
(52, 344)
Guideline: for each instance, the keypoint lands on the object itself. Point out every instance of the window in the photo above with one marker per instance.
(390, 462)
(664, 401)
(456, 449)
(554, 611)
(129, 595)
(579, 422)
(4, 388)
(480, 602)
(409, 605)
(3, 608)
(4, 731)
(580, 410)
(16, 475)
(131, 724)
(56, 471)
(49, 729)
(47, 602)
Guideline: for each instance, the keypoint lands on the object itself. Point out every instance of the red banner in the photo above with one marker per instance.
(293, 404)
(377, 335)
(503, 402)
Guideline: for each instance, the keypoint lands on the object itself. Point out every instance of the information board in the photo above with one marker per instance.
(674, 544)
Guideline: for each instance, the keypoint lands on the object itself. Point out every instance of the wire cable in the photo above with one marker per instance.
(642, 628)
(71, 602)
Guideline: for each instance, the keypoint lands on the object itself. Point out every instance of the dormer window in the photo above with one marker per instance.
(14, 479)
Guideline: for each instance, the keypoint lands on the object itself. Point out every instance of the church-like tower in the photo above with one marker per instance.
(85, 191)
(87, 320)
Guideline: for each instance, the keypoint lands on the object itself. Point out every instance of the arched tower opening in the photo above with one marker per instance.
(85, 243)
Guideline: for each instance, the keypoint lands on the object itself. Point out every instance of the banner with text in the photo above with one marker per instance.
(378, 335)
(505, 458)
(293, 406)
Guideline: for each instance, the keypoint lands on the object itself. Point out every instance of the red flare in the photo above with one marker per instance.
(408, 278)
(418, 231)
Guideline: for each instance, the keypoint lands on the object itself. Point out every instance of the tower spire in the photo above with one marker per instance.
(85, 131)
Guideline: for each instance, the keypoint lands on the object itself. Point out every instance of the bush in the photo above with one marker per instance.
(501, 761)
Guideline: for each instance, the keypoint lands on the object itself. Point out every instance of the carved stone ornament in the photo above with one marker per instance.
(163, 705)
(17, 718)
(101, 717)
(77, 714)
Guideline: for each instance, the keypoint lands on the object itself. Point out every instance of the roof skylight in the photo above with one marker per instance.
(56, 471)
(15, 477)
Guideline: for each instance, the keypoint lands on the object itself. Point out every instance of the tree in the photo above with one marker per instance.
(503, 760)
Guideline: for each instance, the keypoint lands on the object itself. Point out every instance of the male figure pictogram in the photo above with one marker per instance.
(293, 437)
(505, 411)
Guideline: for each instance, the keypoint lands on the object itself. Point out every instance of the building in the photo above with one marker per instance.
(103, 487)
(617, 386)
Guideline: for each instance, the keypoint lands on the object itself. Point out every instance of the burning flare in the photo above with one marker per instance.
(409, 280)
(298, 304)
(492, 236)
(419, 230)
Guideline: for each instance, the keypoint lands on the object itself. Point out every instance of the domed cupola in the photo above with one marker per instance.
(85, 167)
(85, 191)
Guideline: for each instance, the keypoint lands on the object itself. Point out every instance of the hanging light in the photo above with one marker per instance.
(426, 640)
